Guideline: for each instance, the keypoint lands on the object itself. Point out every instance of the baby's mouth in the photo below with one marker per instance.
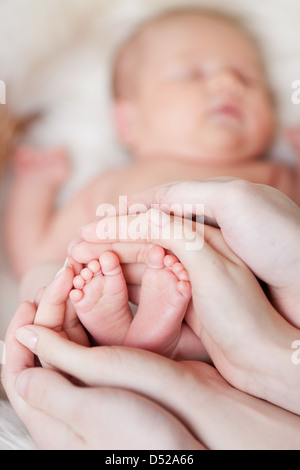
(226, 112)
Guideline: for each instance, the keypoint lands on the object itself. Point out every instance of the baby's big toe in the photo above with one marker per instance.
(110, 263)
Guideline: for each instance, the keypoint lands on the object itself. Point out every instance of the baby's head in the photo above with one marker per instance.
(190, 84)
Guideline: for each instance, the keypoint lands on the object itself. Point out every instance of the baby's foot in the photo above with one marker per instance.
(165, 295)
(47, 166)
(100, 299)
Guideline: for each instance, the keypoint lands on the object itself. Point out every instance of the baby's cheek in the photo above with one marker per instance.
(264, 121)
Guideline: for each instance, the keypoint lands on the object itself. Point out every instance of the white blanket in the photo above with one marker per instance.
(55, 56)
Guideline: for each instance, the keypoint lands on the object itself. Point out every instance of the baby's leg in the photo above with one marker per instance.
(37, 177)
(165, 295)
(100, 299)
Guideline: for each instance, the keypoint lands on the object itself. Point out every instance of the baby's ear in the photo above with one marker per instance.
(125, 121)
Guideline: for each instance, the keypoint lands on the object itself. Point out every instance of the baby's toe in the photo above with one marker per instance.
(86, 274)
(156, 257)
(95, 267)
(184, 287)
(76, 295)
(78, 282)
(110, 264)
(171, 262)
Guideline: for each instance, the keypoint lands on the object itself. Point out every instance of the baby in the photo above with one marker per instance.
(191, 101)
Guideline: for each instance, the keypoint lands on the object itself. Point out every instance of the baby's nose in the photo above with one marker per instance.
(226, 82)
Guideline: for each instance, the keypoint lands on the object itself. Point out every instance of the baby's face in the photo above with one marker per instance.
(200, 93)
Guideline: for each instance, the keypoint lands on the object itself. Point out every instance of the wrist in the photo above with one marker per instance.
(277, 379)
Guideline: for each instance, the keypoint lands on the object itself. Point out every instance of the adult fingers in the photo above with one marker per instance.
(182, 237)
(134, 256)
(56, 311)
(52, 405)
(118, 367)
(208, 393)
(181, 199)
(83, 363)
(242, 211)
(52, 306)
(49, 392)
(100, 418)
(17, 360)
(106, 366)
(84, 251)
(201, 249)
(17, 357)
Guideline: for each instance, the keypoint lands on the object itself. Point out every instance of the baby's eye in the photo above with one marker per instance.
(246, 79)
(183, 74)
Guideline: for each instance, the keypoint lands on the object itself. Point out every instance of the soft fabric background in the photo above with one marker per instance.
(55, 57)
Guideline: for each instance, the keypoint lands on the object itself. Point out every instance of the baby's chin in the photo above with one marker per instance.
(224, 147)
(220, 160)
(221, 156)
(224, 159)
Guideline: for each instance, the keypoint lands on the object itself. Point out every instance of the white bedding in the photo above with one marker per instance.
(54, 57)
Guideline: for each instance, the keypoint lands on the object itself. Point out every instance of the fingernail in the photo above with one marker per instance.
(66, 264)
(22, 384)
(27, 337)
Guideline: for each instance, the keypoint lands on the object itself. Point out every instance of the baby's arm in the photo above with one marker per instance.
(35, 230)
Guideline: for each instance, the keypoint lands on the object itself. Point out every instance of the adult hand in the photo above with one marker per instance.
(260, 224)
(60, 415)
(156, 395)
(240, 329)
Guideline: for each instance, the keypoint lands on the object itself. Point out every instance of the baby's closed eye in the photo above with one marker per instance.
(182, 73)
